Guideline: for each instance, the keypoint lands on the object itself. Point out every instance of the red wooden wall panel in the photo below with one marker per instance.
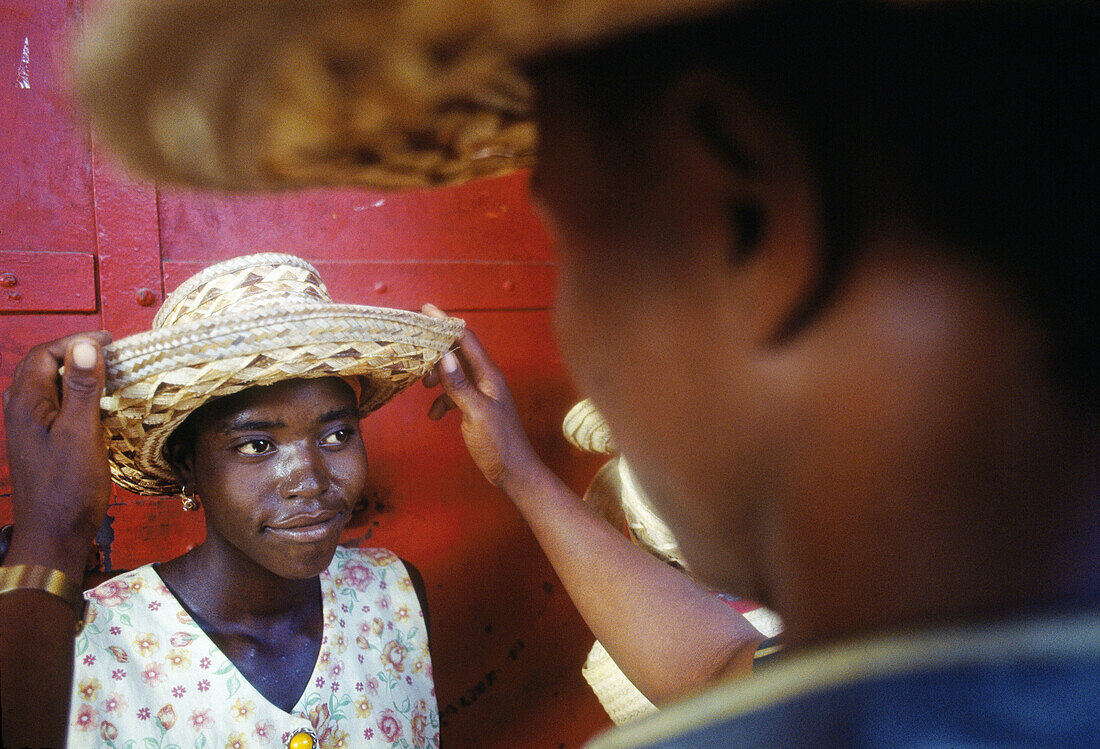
(488, 221)
(36, 281)
(128, 248)
(45, 186)
(92, 247)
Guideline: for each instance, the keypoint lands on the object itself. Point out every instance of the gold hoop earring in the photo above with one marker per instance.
(190, 501)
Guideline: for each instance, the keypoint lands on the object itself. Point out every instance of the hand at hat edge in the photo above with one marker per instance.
(56, 452)
(491, 428)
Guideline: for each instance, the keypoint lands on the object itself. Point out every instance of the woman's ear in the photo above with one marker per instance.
(754, 185)
(181, 456)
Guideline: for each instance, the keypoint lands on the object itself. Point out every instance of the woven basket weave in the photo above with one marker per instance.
(617, 694)
(585, 427)
(253, 320)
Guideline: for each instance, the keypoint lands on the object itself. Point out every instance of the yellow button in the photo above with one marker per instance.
(301, 740)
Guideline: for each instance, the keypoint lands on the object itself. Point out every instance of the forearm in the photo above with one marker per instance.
(36, 661)
(36, 650)
(668, 634)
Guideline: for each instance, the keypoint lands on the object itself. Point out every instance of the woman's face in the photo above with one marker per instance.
(278, 470)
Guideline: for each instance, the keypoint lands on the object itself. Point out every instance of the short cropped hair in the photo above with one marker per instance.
(976, 120)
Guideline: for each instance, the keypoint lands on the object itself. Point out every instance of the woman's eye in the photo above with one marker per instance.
(338, 437)
(255, 447)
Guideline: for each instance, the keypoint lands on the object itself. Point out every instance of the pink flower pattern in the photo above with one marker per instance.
(112, 593)
(390, 725)
(136, 608)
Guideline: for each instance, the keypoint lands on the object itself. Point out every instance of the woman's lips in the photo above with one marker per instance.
(307, 528)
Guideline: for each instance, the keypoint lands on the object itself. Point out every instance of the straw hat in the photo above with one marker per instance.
(621, 700)
(382, 93)
(252, 320)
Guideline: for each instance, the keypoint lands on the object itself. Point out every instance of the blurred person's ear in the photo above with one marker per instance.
(751, 180)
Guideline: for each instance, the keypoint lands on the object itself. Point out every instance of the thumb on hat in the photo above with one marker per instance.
(457, 385)
(82, 382)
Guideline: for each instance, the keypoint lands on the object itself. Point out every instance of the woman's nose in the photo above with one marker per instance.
(306, 472)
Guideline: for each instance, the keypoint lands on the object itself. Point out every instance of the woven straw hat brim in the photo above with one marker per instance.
(389, 94)
(157, 378)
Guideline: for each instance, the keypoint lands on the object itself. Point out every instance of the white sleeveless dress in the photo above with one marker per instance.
(146, 676)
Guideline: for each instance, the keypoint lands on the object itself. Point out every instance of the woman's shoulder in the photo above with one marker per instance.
(365, 569)
(137, 600)
(124, 586)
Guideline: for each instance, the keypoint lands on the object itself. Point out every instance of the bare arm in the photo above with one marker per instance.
(667, 633)
(60, 488)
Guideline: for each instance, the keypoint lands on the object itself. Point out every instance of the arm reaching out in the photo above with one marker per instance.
(60, 488)
(667, 633)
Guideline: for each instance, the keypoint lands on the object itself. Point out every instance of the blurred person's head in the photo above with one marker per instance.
(826, 268)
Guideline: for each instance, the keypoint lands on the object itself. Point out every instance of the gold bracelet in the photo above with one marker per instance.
(37, 577)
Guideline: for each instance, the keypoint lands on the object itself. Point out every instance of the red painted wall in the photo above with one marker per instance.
(82, 246)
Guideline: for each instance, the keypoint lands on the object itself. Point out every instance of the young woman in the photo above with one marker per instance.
(246, 399)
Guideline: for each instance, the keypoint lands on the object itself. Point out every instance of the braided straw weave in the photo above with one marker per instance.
(244, 94)
(614, 491)
(252, 320)
(586, 428)
(617, 694)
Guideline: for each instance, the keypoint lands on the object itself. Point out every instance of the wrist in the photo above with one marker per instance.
(35, 577)
(67, 554)
(524, 477)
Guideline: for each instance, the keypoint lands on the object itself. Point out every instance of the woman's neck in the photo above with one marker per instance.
(225, 588)
(269, 627)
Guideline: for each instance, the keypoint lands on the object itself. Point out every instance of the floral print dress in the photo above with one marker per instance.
(145, 675)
